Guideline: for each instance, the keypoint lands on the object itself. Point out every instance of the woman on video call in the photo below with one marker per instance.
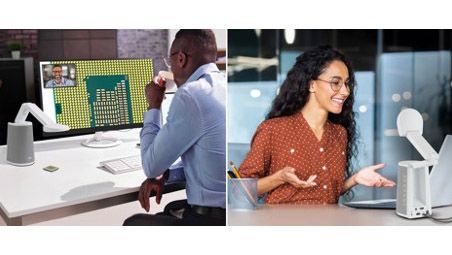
(302, 152)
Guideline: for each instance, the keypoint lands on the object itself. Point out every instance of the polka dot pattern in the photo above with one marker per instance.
(289, 141)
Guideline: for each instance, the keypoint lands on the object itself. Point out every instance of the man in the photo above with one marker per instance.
(57, 79)
(195, 131)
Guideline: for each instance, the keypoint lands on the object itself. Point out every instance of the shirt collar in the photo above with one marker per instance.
(59, 84)
(204, 69)
(299, 117)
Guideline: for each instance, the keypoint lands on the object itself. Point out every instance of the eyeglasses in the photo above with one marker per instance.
(167, 60)
(336, 84)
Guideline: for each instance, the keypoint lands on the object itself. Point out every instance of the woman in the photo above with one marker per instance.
(301, 153)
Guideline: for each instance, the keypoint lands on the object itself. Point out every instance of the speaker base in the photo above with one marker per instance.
(20, 164)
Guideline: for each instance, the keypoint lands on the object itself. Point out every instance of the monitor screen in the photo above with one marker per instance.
(95, 95)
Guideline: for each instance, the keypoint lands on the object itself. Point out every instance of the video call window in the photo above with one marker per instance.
(56, 75)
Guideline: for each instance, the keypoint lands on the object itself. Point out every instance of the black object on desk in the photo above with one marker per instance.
(373, 204)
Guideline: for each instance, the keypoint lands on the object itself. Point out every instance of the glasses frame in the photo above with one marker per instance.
(331, 85)
(167, 59)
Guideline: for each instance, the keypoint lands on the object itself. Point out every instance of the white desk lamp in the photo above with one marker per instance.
(413, 184)
(20, 148)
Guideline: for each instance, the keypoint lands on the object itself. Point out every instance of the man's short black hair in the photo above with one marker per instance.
(57, 66)
(203, 39)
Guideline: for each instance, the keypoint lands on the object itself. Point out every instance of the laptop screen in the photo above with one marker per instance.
(441, 176)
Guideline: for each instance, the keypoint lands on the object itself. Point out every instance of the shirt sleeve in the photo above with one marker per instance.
(161, 146)
(49, 84)
(257, 162)
(176, 172)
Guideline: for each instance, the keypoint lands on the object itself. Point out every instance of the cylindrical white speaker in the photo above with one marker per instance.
(20, 149)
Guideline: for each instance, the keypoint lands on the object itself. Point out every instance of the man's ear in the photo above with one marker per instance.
(181, 59)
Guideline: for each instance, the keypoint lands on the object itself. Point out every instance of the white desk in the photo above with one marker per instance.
(30, 194)
(326, 215)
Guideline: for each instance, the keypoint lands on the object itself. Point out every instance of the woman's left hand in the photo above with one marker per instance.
(369, 177)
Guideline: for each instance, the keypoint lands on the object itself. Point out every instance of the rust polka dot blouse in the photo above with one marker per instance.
(289, 141)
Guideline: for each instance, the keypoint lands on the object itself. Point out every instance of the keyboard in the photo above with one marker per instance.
(123, 165)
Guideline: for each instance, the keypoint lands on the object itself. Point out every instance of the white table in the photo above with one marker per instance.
(326, 215)
(30, 194)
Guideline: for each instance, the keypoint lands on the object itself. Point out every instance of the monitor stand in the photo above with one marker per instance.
(100, 141)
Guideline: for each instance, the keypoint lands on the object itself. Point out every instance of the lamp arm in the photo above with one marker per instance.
(410, 125)
(49, 124)
(32, 108)
(423, 147)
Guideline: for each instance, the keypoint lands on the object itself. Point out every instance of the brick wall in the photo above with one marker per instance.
(144, 43)
(72, 44)
(131, 43)
(27, 37)
(3, 38)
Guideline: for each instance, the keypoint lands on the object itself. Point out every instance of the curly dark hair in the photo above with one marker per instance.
(294, 93)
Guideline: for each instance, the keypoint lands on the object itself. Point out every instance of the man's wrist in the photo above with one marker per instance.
(166, 175)
(157, 179)
(154, 106)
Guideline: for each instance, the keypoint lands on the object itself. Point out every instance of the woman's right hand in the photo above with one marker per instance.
(287, 175)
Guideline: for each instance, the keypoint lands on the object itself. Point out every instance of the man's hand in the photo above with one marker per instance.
(148, 186)
(154, 95)
(369, 177)
(287, 174)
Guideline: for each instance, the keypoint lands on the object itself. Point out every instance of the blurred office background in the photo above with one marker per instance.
(394, 69)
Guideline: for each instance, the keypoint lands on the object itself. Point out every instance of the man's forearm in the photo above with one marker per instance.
(151, 127)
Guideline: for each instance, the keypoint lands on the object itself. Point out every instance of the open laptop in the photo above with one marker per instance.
(373, 204)
(441, 176)
(440, 183)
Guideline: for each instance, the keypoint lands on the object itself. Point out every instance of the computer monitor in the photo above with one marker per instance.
(95, 95)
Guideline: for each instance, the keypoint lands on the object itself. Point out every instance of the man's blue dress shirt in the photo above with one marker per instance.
(195, 131)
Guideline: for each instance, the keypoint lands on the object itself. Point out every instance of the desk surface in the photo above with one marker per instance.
(28, 190)
(326, 215)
